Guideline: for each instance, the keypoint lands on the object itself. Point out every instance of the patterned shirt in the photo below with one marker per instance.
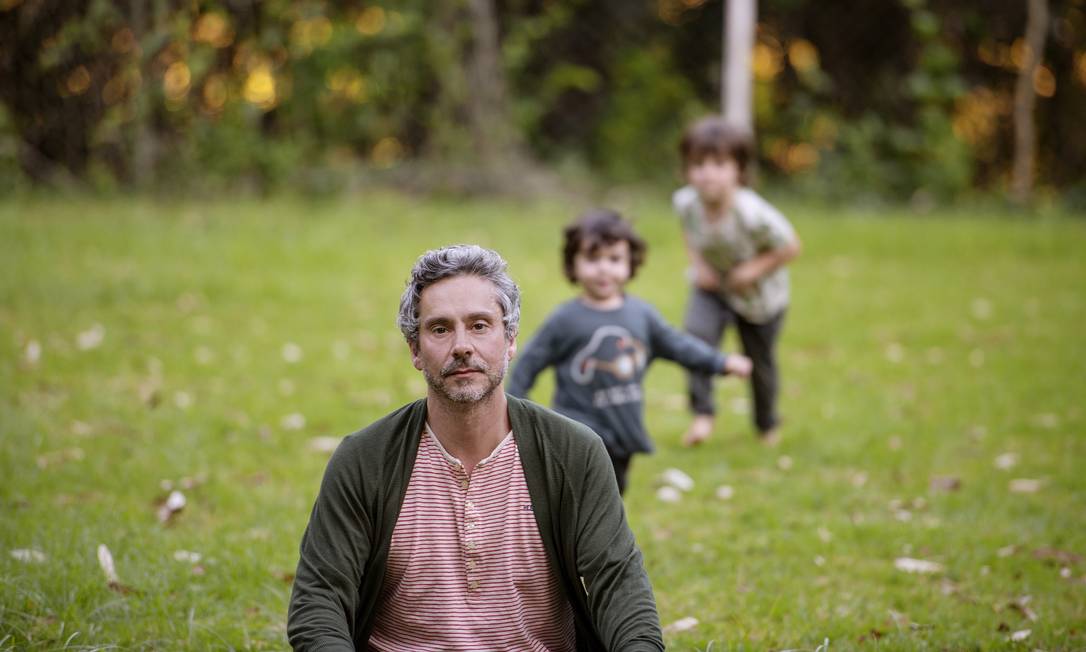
(600, 358)
(467, 569)
(751, 227)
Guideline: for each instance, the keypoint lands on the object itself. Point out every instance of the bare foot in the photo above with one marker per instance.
(770, 437)
(700, 429)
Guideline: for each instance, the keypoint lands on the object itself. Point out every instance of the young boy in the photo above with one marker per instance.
(601, 343)
(738, 245)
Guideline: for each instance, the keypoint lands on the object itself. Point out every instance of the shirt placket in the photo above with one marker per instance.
(470, 518)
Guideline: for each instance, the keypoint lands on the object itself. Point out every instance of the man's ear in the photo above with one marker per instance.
(511, 352)
(414, 348)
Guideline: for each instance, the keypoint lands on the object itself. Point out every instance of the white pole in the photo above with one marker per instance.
(740, 23)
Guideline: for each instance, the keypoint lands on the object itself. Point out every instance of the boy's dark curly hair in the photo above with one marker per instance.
(600, 227)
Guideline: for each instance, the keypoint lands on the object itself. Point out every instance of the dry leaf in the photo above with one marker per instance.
(678, 479)
(1006, 461)
(669, 494)
(187, 556)
(1007, 551)
(910, 565)
(824, 535)
(1062, 557)
(75, 454)
(1025, 485)
(945, 483)
(725, 492)
(28, 555)
(182, 400)
(681, 625)
(292, 353)
(32, 352)
(324, 444)
(1021, 604)
(169, 509)
(981, 308)
(293, 421)
(895, 352)
(1020, 635)
(91, 338)
(784, 462)
(105, 560)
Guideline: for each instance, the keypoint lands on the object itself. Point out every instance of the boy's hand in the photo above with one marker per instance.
(741, 277)
(706, 278)
(737, 365)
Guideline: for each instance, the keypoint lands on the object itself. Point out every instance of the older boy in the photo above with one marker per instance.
(738, 246)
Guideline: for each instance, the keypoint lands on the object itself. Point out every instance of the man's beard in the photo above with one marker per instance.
(472, 393)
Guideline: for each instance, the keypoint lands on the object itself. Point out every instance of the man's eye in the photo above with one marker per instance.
(439, 330)
(480, 326)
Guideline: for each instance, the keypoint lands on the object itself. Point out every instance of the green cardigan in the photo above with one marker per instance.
(576, 504)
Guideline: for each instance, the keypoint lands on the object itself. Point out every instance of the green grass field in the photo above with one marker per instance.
(204, 347)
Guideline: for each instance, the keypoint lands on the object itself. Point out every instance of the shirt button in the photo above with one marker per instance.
(473, 585)
(471, 526)
(471, 564)
(464, 484)
(469, 505)
(471, 545)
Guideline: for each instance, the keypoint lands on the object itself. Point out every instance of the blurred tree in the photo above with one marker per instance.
(1025, 100)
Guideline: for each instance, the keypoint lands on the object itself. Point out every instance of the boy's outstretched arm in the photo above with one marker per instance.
(536, 356)
(672, 344)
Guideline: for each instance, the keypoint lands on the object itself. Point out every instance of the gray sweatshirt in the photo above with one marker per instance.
(600, 358)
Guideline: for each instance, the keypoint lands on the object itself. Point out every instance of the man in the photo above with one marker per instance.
(469, 520)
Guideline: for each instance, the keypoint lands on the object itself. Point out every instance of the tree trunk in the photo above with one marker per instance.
(740, 23)
(473, 140)
(1025, 98)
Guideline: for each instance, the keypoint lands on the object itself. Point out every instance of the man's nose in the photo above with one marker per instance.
(462, 344)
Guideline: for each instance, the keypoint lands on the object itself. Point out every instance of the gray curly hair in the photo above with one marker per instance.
(455, 260)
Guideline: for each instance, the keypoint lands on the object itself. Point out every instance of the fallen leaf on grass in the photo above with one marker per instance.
(324, 444)
(169, 509)
(32, 352)
(1020, 635)
(1006, 461)
(681, 625)
(784, 462)
(293, 421)
(105, 561)
(1021, 605)
(678, 479)
(28, 555)
(57, 457)
(945, 483)
(91, 338)
(910, 565)
(669, 494)
(1061, 557)
(1007, 551)
(187, 556)
(1025, 485)
(292, 353)
(725, 492)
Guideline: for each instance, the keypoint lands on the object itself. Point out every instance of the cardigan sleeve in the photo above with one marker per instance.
(334, 550)
(620, 599)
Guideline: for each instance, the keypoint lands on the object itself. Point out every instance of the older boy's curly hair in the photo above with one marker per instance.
(714, 136)
(600, 227)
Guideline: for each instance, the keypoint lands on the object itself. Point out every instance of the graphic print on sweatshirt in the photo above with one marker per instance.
(612, 361)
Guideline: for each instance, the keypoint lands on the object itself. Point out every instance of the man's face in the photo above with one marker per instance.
(462, 350)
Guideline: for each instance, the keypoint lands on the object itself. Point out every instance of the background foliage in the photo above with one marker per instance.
(891, 98)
